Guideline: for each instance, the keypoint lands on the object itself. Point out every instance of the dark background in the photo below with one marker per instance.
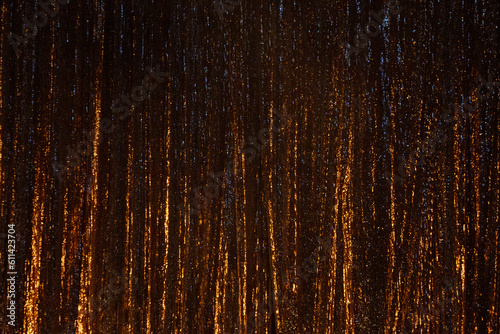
(417, 256)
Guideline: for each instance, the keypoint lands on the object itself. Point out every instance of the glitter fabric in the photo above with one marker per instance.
(237, 166)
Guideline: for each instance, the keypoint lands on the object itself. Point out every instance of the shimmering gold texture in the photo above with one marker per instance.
(268, 184)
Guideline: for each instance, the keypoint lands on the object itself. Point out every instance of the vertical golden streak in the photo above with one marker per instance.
(129, 244)
(460, 232)
(242, 275)
(148, 250)
(494, 204)
(392, 239)
(347, 221)
(225, 283)
(332, 282)
(72, 217)
(130, 258)
(476, 181)
(289, 154)
(33, 293)
(167, 221)
(183, 245)
(219, 287)
(34, 286)
(323, 298)
(240, 247)
(272, 241)
(183, 260)
(297, 199)
(494, 298)
(64, 244)
(87, 289)
(462, 297)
